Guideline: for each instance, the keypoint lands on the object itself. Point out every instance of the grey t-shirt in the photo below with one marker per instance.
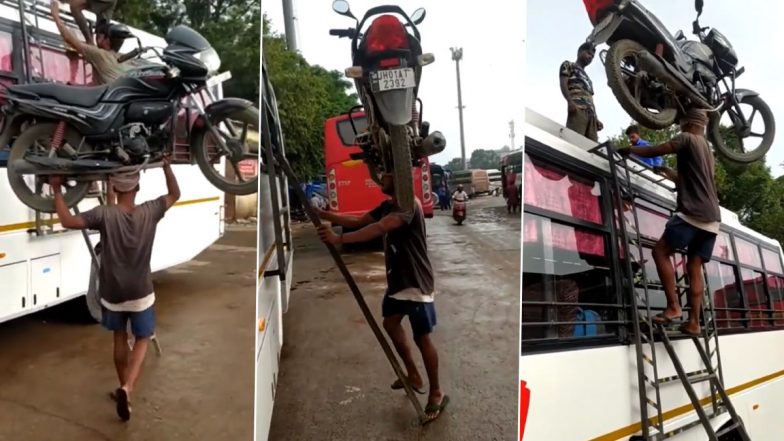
(126, 241)
(405, 252)
(697, 196)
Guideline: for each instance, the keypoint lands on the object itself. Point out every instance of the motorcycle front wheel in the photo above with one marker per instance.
(401, 161)
(623, 77)
(240, 131)
(30, 189)
(734, 148)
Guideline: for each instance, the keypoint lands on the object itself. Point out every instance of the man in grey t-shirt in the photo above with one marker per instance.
(125, 280)
(695, 224)
(410, 287)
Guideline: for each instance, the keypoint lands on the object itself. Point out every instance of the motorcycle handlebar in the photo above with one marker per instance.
(348, 33)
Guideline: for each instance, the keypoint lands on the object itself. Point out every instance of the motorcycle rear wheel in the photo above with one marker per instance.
(401, 161)
(38, 137)
(206, 155)
(617, 80)
(740, 156)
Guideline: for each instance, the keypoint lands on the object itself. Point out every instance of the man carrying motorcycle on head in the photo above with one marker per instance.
(103, 56)
(577, 88)
(410, 285)
(125, 282)
(103, 10)
(695, 224)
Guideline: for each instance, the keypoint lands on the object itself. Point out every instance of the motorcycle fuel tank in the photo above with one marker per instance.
(144, 82)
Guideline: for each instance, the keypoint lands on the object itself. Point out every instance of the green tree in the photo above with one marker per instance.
(456, 164)
(485, 159)
(231, 26)
(307, 95)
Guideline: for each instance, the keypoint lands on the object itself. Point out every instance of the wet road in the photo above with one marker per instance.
(55, 373)
(334, 380)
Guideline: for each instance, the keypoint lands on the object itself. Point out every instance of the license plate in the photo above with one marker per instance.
(392, 79)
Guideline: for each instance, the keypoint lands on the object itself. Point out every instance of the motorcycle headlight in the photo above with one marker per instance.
(210, 59)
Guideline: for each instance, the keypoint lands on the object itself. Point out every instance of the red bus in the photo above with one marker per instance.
(351, 190)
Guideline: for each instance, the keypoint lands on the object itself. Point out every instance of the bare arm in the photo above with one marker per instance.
(67, 219)
(346, 221)
(667, 172)
(376, 229)
(70, 38)
(171, 184)
(565, 90)
(649, 152)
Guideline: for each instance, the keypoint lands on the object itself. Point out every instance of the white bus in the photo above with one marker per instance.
(275, 263)
(41, 264)
(580, 382)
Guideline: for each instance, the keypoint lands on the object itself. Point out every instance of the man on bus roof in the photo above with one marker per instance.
(410, 285)
(103, 56)
(577, 89)
(633, 133)
(125, 281)
(695, 225)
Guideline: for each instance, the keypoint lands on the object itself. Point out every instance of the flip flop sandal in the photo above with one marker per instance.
(397, 385)
(436, 408)
(123, 405)
(661, 319)
(684, 330)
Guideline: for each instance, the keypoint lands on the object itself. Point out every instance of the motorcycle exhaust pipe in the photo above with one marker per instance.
(650, 63)
(434, 144)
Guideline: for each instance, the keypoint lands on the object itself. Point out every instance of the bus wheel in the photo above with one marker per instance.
(401, 161)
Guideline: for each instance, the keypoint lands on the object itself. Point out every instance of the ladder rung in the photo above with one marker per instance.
(653, 404)
(689, 375)
(729, 428)
(701, 378)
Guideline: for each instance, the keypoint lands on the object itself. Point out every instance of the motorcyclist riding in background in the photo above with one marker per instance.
(460, 195)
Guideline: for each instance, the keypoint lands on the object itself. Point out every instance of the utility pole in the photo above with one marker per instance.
(512, 134)
(457, 55)
(289, 22)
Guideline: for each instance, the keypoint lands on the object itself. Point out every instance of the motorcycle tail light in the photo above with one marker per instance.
(595, 7)
(389, 62)
(386, 33)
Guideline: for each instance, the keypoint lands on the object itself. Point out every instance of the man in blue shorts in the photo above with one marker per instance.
(125, 280)
(410, 286)
(695, 224)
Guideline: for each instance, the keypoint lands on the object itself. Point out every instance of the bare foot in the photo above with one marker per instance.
(436, 403)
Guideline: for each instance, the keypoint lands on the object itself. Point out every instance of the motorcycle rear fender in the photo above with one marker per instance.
(605, 29)
(225, 105)
(12, 124)
(395, 106)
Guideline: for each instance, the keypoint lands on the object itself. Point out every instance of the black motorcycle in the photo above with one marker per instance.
(89, 133)
(387, 67)
(657, 76)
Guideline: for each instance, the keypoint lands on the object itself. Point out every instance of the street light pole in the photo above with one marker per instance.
(289, 22)
(512, 134)
(457, 55)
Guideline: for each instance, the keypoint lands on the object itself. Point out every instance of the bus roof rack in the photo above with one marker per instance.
(633, 165)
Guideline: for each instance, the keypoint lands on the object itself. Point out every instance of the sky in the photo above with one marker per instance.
(492, 35)
(557, 27)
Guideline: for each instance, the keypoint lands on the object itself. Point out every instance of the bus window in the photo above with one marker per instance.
(652, 222)
(748, 253)
(551, 189)
(57, 65)
(6, 52)
(772, 261)
(756, 297)
(564, 267)
(776, 289)
(723, 249)
(346, 130)
(726, 298)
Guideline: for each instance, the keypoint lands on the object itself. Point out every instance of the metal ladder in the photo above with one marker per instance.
(636, 283)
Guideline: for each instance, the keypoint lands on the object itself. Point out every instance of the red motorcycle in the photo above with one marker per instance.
(459, 212)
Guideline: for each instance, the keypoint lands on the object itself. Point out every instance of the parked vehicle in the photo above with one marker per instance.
(89, 133)
(475, 181)
(387, 67)
(655, 76)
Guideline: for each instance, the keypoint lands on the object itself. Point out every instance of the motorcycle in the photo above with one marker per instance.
(656, 76)
(88, 133)
(387, 68)
(459, 212)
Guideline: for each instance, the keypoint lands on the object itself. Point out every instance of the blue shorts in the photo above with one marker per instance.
(421, 315)
(142, 323)
(680, 234)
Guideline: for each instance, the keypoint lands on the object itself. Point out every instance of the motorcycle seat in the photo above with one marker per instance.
(80, 96)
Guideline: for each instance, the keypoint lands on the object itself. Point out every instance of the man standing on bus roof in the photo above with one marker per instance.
(125, 280)
(696, 223)
(633, 133)
(103, 56)
(577, 89)
(410, 285)
(103, 10)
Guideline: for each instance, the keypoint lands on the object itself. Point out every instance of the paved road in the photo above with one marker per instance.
(55, 373)
(334, 380)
